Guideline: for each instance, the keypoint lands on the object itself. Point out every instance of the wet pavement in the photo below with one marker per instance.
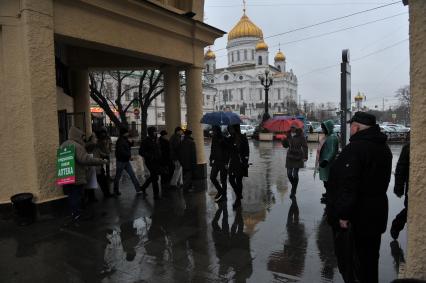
(189, 238)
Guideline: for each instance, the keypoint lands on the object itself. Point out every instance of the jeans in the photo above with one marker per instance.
(223, 175)
(177, 174)
(119, 171)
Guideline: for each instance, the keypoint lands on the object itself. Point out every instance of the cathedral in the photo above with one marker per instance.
(237, 87)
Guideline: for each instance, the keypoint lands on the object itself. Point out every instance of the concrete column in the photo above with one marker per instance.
(416, 263)
(29, 123)
(80, 91)
(194, 103)
(172, 98)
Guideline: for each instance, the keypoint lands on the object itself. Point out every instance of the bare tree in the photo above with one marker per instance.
(111, 103)
(404, 96)
(149, 88)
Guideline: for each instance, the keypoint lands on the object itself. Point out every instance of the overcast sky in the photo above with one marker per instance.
(382, 47)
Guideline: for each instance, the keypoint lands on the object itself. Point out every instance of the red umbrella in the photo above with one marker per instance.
(282, 125)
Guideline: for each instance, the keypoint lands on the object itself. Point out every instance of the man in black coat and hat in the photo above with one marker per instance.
(188, 159)
(359, 179)
(150, 151)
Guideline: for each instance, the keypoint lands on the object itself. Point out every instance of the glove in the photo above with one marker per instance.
(323, 164)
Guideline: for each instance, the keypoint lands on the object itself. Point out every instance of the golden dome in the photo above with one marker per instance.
(261, 45)
(279, 56)
(209, 55)
(245, 28)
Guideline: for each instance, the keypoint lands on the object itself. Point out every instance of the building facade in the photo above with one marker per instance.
(237, 86)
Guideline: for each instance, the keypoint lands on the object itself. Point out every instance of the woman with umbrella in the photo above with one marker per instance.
(297, 154)
(238, 165)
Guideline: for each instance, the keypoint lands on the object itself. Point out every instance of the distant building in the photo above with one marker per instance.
(237, 86)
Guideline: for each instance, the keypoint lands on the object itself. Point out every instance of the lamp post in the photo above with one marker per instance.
(266, 81)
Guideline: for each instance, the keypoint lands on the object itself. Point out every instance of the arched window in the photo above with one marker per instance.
(259, 60)
(252, 54)
(245, 54)
(232, 57)
(238, 55)
(208, 68)
(279, 67)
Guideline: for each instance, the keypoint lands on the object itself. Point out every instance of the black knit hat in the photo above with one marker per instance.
(363, 118)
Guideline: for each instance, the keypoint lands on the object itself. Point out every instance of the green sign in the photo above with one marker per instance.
(65, 165)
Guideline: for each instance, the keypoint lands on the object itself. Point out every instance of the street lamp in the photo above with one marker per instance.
(266, 81)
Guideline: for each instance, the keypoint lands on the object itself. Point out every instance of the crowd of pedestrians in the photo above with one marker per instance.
(355, 179)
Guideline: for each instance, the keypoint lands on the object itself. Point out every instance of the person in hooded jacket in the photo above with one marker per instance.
(239, 161)
(297, 155)
(327, 154)
(219, 159)
(357, 200)
(82, 161)
(150, 151)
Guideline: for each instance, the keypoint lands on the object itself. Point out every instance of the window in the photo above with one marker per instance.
(279, 94)
(279, 67)
(238, 55)
(214, 67)
(245, 54)
(162, 97)
(163, 115)
(241, 94)
(135, 95)
(208, 97)
(232, 57)
(225, 77)
(212, 81)
(252, 54)
(208, 68)
(259, 62)
(260, 94)
(241, 78)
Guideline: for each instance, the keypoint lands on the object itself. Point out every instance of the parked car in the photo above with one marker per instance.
(248, 130)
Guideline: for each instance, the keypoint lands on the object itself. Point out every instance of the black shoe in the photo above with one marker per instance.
(141, 192)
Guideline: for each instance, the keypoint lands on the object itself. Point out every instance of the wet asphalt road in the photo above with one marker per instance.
(189, 238)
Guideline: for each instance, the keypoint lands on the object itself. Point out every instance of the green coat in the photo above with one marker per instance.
(328, 150)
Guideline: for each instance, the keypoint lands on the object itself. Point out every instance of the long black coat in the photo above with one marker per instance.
(187, 154)
(165, 151)
(402, 172)
(150, 151)
(239, 155)
(359, 179)
(219, 153)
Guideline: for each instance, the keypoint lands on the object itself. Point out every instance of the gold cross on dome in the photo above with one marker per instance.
(244, 6)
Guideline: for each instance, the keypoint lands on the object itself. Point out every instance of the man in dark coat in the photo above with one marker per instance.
(239, 161)
(166, 162)
(188, 159)
(402, 173)
(150, 151)
(123, 157)
(219, 159)
(358, 180)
